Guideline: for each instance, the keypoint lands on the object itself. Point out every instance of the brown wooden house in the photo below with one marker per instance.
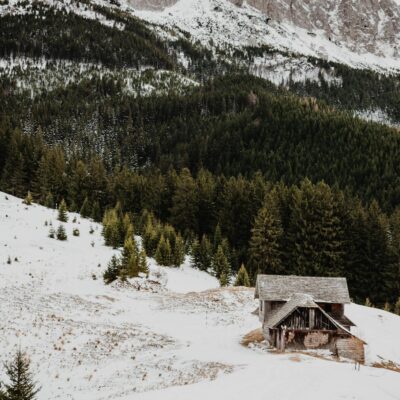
(303, 313)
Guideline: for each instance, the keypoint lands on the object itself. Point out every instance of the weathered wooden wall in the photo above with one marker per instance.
(351, 348)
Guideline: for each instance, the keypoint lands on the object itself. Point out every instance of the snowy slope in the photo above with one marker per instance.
(229, 25)
(91, 341)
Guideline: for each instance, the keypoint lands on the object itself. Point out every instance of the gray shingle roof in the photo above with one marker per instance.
(283, 287)
(300, 300)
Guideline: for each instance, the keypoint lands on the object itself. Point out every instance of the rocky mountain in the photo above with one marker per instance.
(361, 33)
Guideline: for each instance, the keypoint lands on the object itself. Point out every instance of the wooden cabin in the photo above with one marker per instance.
(305, 313)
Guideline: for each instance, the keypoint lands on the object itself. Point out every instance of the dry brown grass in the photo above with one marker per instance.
(390, 365)
(255, 336)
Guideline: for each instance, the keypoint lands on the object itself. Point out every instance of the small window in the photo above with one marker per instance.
(261, 305)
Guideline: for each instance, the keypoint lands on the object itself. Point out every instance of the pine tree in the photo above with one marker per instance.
(28, 199)
(49, 200)
(150, 238)
(113, 270)
(217, 237)
(196, 254)
(21, 386)
(126, 227)
(85, 210)
(314, 241)
(185, 203)
(96, 212)
(62, 211)
(265, 244)
(111, 229)
(202, 254)
(142, 263)
(61, 233)
(130, 258)
(242, 278)
(163, 252)
(221, 267)
(178, 252)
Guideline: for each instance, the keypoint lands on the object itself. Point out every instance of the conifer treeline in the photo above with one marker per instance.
(233, 125)
(310, 229)
(58, 34)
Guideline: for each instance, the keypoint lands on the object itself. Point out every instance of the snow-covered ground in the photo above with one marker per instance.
(91, 341)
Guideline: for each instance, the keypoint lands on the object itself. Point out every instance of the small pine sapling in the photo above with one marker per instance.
(63, 211)
(75, 232)
(61, 233)
(242, 278)
(113, 270)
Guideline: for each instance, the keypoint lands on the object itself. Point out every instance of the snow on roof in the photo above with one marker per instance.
(283, 287)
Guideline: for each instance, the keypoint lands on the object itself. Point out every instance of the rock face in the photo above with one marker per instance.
(367, 25)
(371, 26)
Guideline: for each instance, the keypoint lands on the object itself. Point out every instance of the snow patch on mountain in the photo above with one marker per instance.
(281, 70)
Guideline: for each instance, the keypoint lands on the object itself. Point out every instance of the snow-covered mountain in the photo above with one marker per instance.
(175, 340)
(357, 33)
(361, 34)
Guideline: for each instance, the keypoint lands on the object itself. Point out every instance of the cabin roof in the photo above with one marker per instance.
(283, 287)
(297, 300)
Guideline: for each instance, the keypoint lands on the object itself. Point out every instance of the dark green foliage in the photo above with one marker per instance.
(163, 254)
(113, 270)
(49, 201)
(111, 229)
(202, 254)
(130, 258)
(75, 232)
(58, 34)
(85, 210)
(242, 278)
(61, 233)
(150, 239)
(62, 211)
(142, 263)
(221, 267)
(266, 245)
(21, 385)
(178, 251)
(96, 212)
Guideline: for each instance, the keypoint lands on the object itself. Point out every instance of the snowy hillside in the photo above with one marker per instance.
(178, 341)
(225, 24)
